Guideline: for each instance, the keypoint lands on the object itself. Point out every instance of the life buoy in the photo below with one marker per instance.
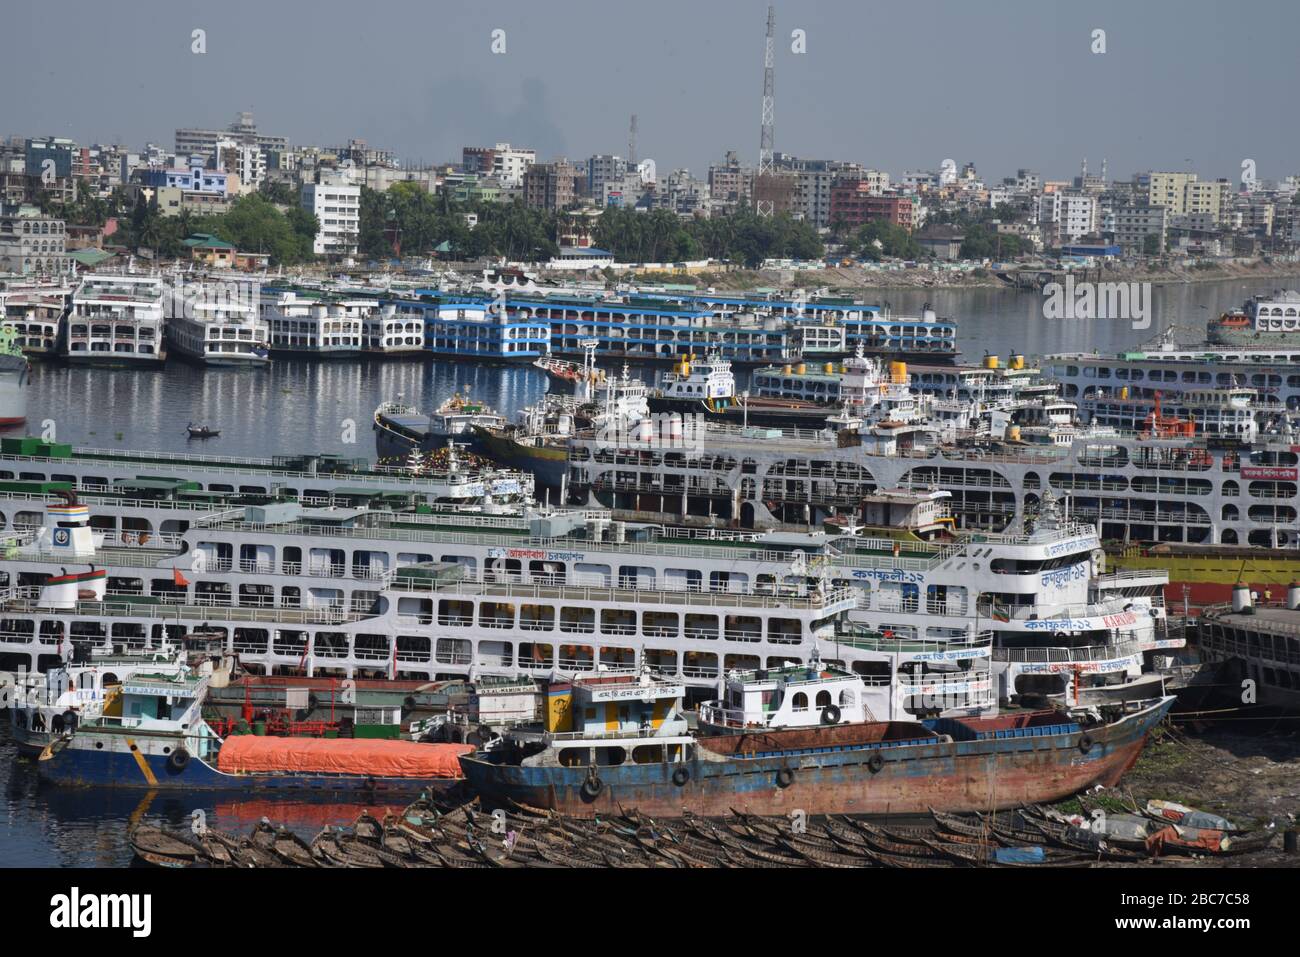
(680, 777)
(831, 714)
(784, 777)
(178, 760)
(875, 763)
(1085, 743)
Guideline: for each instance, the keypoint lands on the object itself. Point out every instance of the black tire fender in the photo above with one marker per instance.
(178, 760)
(831, 714)
(1085, 743)
(875, 762)
(784, 777)
(681, 776)
(592, 787)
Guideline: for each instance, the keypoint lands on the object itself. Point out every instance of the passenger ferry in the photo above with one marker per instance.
(117, 320)
(217, 333)
(313, 324)
(388, 330)
(1265, 360)
(35, 312)
(1268, 319)
(485, 331)
(1255, 640)
(414, 595)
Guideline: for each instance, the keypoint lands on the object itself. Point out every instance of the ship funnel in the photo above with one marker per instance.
(1241, 598)
(1293, 596)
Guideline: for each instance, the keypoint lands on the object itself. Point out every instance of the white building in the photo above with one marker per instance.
(1068, 215)
(510, 164)
(337, 207)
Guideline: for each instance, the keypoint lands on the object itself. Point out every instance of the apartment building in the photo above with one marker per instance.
(1065, 216)
(550, 185)
(32, 244)
(337, 207)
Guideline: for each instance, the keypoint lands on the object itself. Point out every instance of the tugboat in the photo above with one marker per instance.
(623, 740)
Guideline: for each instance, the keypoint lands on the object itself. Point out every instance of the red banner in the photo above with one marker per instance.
(1265, 472)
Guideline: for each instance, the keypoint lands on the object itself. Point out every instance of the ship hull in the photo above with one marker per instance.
(392, 443)
(955, 776)
(14, 375)
(1208, 579)
(547, 464)
(77, 767)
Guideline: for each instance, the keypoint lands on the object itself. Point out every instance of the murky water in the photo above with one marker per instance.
(298, 406)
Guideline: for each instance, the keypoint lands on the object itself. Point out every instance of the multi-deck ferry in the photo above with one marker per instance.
(419, 595)
(117, 320)
(35, 311)
(314, 324)
(214, 332)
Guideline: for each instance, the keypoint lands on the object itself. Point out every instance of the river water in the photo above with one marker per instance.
(299, 406)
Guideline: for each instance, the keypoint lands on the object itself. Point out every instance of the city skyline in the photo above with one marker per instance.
(1134, 105)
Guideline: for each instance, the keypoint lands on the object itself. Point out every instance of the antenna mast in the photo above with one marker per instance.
(763, 200)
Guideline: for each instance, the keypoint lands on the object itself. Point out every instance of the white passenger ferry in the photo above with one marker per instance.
(117, 320)
(217, 333)
(424, 596)
(35, 312)
(316, 325)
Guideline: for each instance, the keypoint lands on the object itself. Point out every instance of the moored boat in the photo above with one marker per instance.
(632, 749)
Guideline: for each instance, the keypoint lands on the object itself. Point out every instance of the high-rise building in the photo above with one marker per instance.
(337, 207)
(604, 170)
(503, 161)
(549, 185)
(1067, 215)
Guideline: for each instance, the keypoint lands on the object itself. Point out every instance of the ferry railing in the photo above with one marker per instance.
(1254, 649)
(192, 612)
(1068, 655)
(1128, 574)
(833, 597)
(1066, 612)
(865, 640)
(265, 468)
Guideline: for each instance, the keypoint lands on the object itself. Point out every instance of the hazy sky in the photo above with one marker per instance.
(893, 84)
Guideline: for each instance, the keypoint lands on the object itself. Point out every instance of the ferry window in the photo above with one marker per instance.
(823, 699)
(799, 702)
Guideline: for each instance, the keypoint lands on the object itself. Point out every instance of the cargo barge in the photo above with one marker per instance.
(633, 749)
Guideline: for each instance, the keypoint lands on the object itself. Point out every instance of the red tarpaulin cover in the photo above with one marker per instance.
(250, 753)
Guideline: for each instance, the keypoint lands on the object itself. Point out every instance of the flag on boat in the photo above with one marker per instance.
(178, 578)
(1000, 612)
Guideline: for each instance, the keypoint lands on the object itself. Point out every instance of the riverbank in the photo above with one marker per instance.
(853, 279)
(1251, 779)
